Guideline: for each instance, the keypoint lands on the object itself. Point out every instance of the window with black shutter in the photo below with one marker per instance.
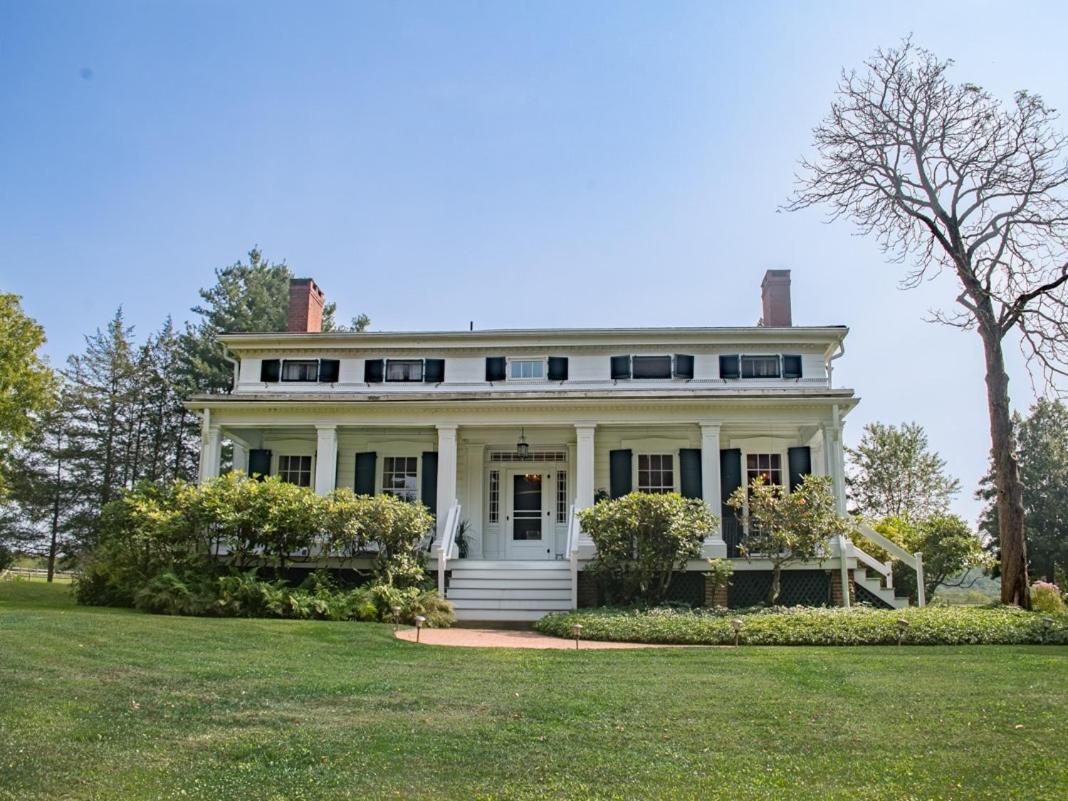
(366, 463)
(620, 367)
(329, 371)
(558, 368)
(270, 370)
(791, 366)
(373, 371)
(651, 366)
(434, 371)
(495, 367)
(404, 370)
(619, 469)
(729, 367)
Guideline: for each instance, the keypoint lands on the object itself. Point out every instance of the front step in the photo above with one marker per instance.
(509, 590)
(876, 588)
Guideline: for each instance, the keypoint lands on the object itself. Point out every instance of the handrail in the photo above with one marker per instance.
(885, 570)
(574, 529)
(913, 560)
(447, 543)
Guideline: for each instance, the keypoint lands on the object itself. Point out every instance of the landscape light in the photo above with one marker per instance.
(902, 624)
(576, 632)
(737, 625)
(419, 621)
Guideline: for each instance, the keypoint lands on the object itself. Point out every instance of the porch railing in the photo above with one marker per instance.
(447, 543)
(574, 529)
(913, 560)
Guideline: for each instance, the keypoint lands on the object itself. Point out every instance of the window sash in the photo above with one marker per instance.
(400, 477)
(526, 369)
(404, 370)
(656, 472)
(295, 470)
(651, 366)
(761, 367)
(300, 370)
(768, 465)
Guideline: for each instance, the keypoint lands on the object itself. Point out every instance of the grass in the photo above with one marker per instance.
(113, 704)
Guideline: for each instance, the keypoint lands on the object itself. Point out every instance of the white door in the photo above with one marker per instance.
(528, 528)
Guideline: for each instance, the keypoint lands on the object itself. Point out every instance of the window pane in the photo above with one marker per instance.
(656, 472)
(760, 366)
(295, 470)
(300, 370)
(764, 465)
(527, 369)
(652, 366)
(400, 477)
(404, 370)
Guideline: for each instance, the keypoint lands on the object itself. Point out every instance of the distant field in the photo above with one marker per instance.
(112, 704)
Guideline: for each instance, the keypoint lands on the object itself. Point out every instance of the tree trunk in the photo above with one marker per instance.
(54, 544)
(774, 589)
(1015, 588)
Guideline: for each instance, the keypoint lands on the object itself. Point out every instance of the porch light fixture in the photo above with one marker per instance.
(902, 625)
(736, 624)
(522, 447)
(576, 632)
(419, 621)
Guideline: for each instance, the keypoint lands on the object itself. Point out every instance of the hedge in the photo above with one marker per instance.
(815, 626)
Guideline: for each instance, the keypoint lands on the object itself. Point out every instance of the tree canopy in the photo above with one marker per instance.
(27, 384)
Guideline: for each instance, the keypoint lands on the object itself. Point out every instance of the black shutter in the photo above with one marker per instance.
(433, 371)
(683, 367)
(730, 472)
(373, 371)
(495, 366)
(800, 461)
(270, 370)
(619, 481)
(791, 366)
(259, 462)
(690, 473)
(729, 367)
(429, 481)
(365, 472)
(620, 367)
(558, 368)
(329, 370)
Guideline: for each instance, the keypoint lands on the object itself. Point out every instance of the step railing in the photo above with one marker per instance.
(574, 530)
(913, 560)
(447, 543)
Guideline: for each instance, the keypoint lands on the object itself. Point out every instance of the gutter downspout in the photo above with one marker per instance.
(830, 356)
(235, 363)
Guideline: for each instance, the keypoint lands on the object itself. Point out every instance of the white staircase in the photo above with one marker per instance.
(511, 590)
(875, 586)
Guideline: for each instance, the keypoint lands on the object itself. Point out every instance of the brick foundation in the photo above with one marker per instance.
(719, 597)
(836, 588)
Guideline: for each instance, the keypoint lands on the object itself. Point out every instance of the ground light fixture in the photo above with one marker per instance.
(736, 624)
(419, 621)
(902, 626)
(576, 632)
(1047, 623)
(396, 616)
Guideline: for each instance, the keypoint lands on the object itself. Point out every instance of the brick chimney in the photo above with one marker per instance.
(306, 302)
(775, 297)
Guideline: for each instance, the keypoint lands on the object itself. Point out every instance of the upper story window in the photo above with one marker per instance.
(430, 371)
(404, 370)
(295, 470)
(300, 370)
(526, 369)
(660, 366)
(760, 366)
(656, 472)
(503, 368)
(325, 371)
(400, 477)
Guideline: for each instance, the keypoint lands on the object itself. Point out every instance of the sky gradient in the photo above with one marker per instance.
(511, 164)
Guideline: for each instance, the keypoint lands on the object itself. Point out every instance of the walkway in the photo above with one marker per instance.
(505, 638)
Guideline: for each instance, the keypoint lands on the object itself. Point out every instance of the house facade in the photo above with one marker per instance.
(505, 434)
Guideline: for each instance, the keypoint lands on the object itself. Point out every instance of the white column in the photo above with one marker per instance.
(240, 457)
(210, 448)
(325, 459)
(446, 473)
(584, 470)
(832, 447)
(710, 487)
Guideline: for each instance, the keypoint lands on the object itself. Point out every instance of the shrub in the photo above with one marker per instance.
(1046, 597)
(719, 574)
(7, 557)
(951, 625)
(171, 594)
(642, 538)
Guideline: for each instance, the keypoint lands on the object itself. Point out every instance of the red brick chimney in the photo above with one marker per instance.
(775, 297)
(306, 302)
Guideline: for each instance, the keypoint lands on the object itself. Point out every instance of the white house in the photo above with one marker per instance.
(512, 430)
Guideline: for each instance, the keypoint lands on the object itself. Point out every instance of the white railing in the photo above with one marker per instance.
(913, 560)
(574, 529)
(35, 572)
(447, 543)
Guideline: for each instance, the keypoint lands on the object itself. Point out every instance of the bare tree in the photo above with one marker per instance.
(947, 178)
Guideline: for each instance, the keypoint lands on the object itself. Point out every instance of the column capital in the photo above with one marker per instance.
(326, 427)
(585, 428)
(447, 428)
(710, 427)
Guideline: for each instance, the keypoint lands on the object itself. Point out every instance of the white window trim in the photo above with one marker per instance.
(277, 461)
(544, 360)
(673, 453)
(282, 372)
(385, 371)
(758, 451)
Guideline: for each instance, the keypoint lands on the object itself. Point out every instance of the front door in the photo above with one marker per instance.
(528, 516)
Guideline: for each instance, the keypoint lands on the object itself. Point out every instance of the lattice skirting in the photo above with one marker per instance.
(797, 588)
(865, 597)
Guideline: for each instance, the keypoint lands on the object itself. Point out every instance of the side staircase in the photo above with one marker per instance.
(874, 586)
(508, 590)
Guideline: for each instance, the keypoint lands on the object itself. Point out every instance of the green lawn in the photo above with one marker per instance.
(110, 704)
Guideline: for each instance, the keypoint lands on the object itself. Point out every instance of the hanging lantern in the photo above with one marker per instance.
(522, 447)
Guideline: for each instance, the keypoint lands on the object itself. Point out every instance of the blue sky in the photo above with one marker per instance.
(514, 164)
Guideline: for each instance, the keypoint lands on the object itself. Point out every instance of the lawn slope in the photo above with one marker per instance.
(111, 704)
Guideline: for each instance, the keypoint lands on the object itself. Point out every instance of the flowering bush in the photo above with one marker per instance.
(1046, 597)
